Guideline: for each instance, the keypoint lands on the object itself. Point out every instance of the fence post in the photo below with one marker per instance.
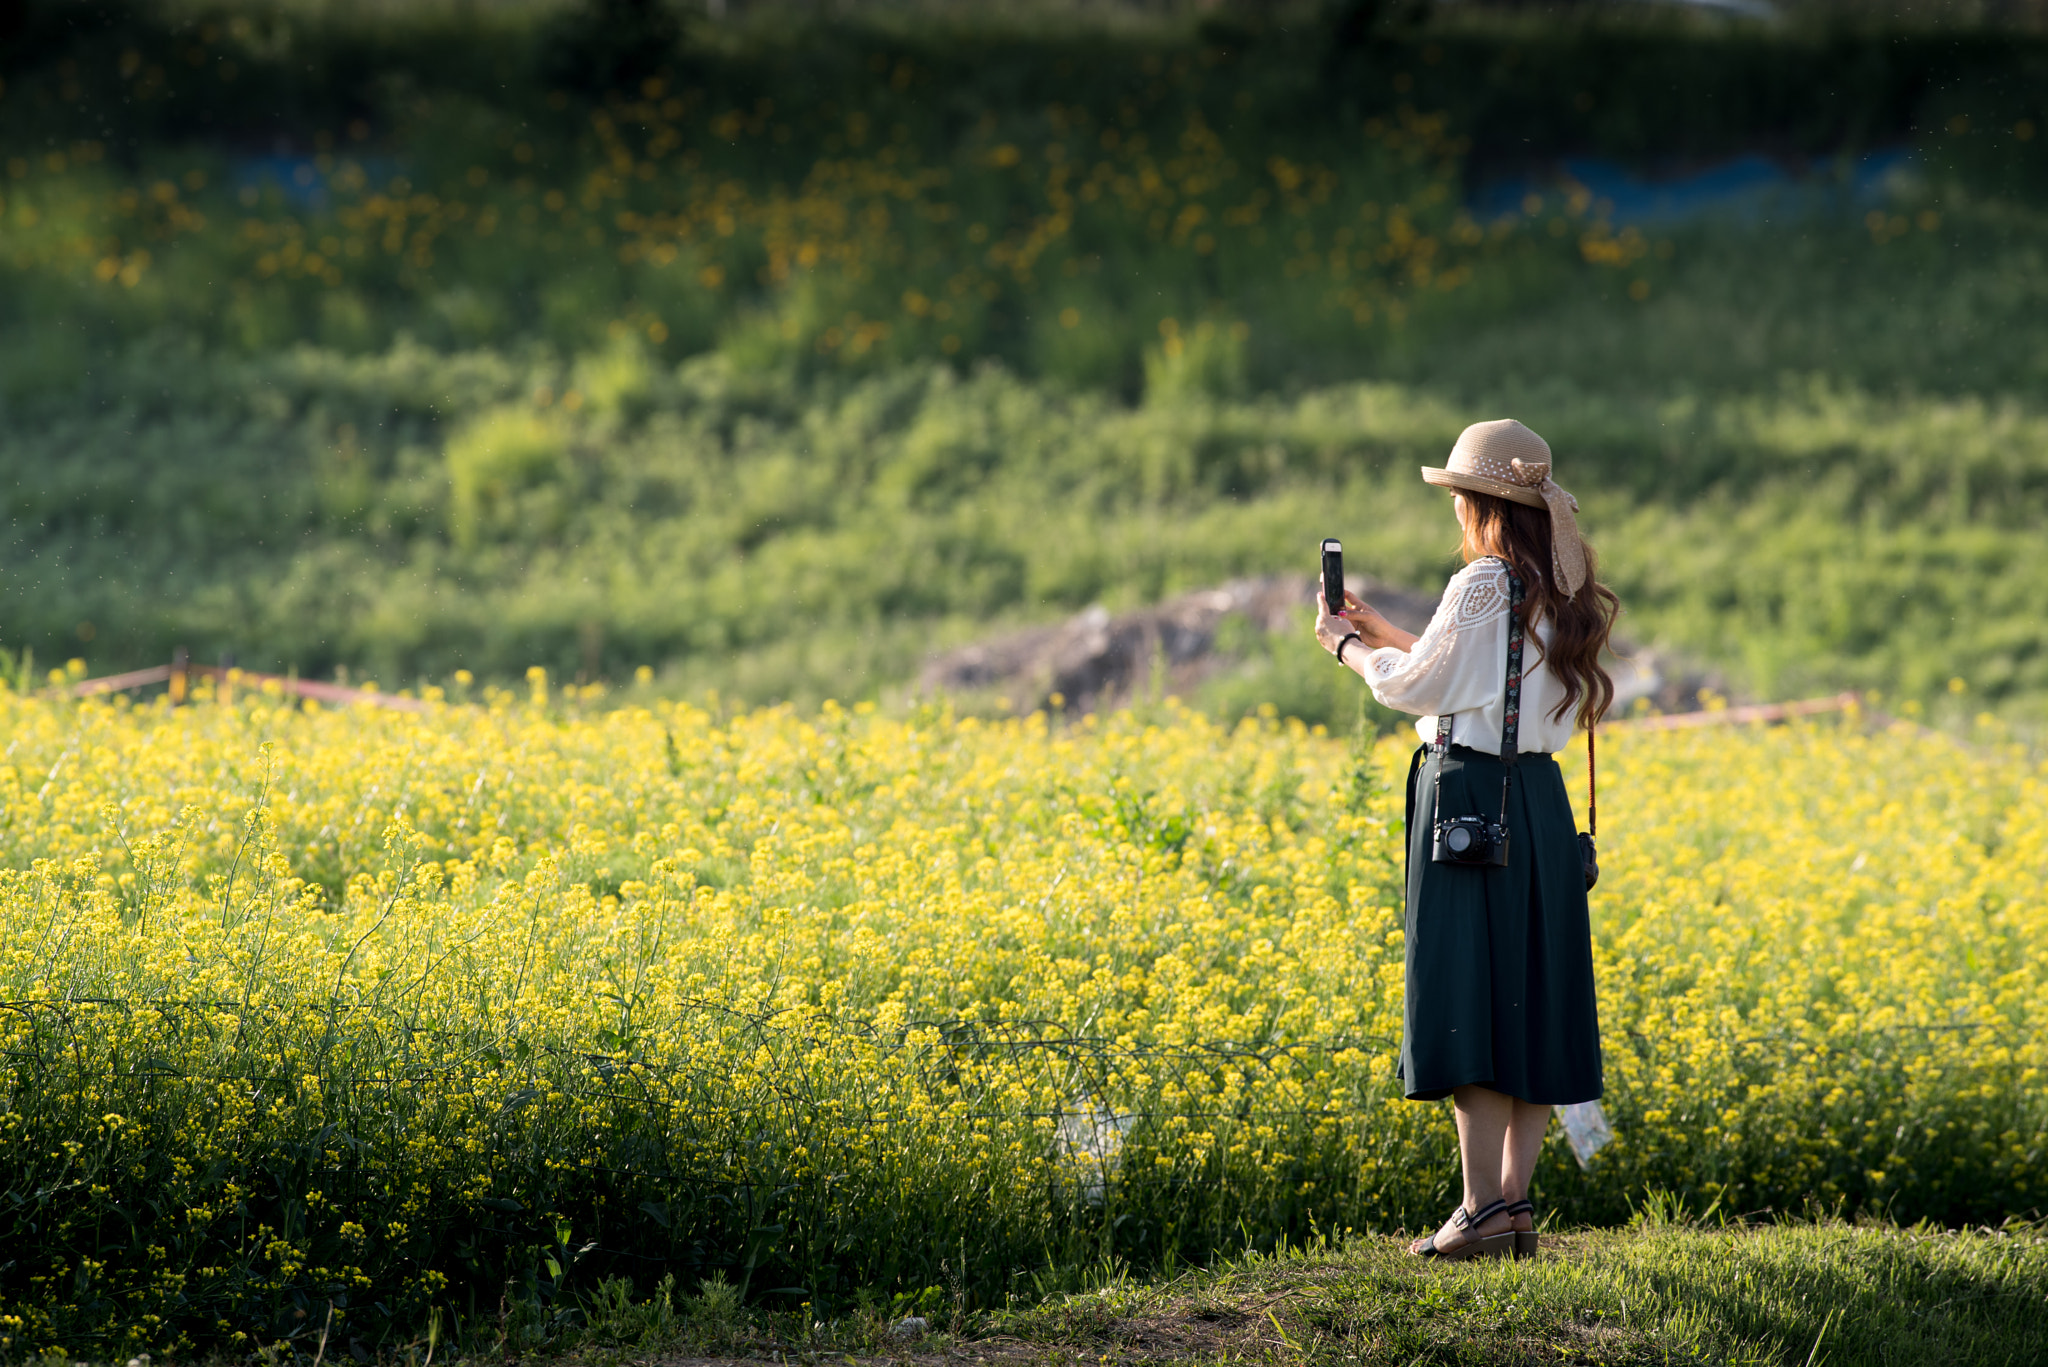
(179, 660)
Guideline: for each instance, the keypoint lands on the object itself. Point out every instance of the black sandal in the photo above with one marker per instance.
(1475, 1246)
(1527, 1241)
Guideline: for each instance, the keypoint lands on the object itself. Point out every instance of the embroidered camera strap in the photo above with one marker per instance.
(1511, 701)
(1511, 704)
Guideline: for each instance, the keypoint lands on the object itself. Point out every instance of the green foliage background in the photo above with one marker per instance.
(776, 353)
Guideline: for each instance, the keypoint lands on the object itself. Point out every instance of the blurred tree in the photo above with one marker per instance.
(32, 30)
(605, 45)
(1357, 28)
(1354, 23)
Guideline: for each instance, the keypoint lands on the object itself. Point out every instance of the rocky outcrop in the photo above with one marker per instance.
(1098, 659)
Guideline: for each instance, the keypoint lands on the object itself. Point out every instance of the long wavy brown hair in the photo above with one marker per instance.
(1579, 625)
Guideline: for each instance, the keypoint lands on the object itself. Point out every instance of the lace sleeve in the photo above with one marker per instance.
(1458, 662)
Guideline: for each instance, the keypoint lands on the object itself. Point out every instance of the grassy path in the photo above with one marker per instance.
(1796, 1294)
(1772, 1294)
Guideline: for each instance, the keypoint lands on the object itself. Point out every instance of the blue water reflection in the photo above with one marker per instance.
(309, 182)
(1748, 188)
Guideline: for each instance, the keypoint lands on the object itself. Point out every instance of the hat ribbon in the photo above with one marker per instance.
(1567, 549)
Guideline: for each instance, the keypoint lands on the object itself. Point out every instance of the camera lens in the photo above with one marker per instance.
(1459, 840)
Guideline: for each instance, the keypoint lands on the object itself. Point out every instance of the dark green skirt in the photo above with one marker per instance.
(1500, 960)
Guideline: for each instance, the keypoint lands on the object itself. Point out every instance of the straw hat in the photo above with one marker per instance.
(1507, 460)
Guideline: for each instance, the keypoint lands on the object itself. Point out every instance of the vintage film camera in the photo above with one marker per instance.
(1471, 840)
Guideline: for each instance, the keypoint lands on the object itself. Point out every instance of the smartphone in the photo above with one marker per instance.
(1333, 574)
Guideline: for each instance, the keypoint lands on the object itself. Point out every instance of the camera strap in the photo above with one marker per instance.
(1511, 695)
(1511, 700)
(1592, 785)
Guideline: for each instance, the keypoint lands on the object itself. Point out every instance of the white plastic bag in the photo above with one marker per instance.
(1093, 1139)
(1586, 1129)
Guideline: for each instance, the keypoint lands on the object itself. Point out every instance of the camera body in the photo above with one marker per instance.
(1470, 840)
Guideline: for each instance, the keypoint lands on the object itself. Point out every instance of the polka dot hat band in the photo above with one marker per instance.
(1507, 460)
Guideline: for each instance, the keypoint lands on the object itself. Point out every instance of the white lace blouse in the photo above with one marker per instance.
(1459, 666)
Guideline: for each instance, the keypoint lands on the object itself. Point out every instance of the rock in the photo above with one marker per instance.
(1096, 659)
(910, 1327)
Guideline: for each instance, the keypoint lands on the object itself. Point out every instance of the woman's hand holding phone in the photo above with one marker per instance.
(1332, 628)
(1374, 631)
(1335, 626)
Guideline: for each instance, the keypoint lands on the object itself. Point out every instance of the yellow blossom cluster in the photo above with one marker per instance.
(428, 1013)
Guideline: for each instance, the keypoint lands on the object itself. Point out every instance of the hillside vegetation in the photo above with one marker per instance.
(774, 354)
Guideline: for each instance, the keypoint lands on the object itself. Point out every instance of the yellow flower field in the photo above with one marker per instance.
(444, 1016)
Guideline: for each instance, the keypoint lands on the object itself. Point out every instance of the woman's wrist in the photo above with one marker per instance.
(1348, 639)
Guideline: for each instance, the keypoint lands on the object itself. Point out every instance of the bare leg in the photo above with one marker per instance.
(1523, 1143)
(1484, 1122)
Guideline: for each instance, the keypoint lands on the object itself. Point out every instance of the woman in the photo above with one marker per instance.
(1499, 1012)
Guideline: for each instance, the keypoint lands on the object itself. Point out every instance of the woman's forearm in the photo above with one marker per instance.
(1388, 636)
(1396, 638)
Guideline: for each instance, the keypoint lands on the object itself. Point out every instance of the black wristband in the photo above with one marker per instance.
(1354, 636)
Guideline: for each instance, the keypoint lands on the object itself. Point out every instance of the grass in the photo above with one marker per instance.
(773, 539)
(1659, 1291)
(1789, 1293)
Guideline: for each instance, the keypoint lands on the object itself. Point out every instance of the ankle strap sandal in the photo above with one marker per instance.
(1475, 1246)
(1527, 1242)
